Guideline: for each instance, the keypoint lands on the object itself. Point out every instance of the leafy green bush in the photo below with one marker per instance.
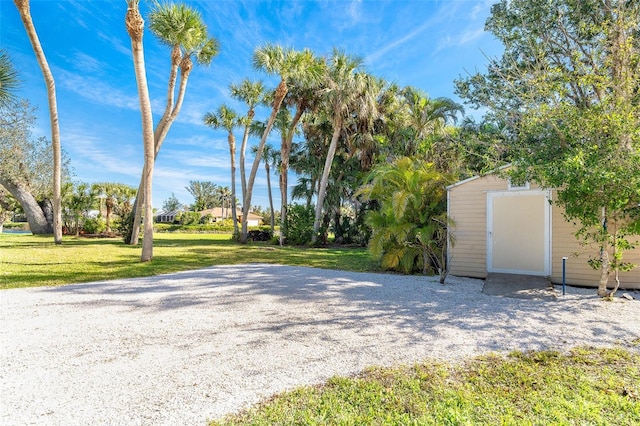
(260, 235)
(215, 228)
(353, 230)
(188, 218)
(299, 225)
(16, 225)
(94, 225)
(410, 226)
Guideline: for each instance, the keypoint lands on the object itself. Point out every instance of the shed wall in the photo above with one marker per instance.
(468, 208)
(564, 243)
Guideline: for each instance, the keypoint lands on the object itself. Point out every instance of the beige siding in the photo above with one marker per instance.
(468, 209)
(564, 243)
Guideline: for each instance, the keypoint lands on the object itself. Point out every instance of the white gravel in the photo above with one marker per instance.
(186, 347)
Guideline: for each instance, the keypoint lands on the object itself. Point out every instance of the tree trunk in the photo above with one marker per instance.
(285, 152)
(243, 153)
(162, 129)
(232, 151)
(25, 15)
(135, 28)
(322, 192)
(604, 272)
(36, 217)
(281, 92)
(268, 171)
(108, 207)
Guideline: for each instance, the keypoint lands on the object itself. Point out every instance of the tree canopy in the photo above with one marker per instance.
(566, 89)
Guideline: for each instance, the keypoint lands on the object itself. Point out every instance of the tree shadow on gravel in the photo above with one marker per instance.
(297, 304)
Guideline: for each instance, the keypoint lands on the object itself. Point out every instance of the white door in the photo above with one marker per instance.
(518, 232)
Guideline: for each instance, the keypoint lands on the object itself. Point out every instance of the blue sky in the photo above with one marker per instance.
(425, 44)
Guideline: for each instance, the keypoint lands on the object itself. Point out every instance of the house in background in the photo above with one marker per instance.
(166, 216)
(219, 213)
(515, 229)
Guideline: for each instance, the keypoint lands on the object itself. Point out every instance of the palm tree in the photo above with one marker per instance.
(345, 93)
(410, 227)
(25, 15)
(182, 29)
(252, 94)
(223, 196)
(271, 159)
(8, 79)
(426, 119)
(114, 195)
(135, 28)
(227, 119)
(78, 200)
(302, 95)
(304, 190)
(290, 65)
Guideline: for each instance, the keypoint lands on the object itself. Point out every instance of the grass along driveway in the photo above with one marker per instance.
(30, 261)
(584, 386)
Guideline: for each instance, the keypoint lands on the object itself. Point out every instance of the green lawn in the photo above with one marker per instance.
(28, 261)
(585, 387)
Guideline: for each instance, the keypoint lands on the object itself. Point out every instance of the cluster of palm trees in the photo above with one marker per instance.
(109, 198)
(347, 122)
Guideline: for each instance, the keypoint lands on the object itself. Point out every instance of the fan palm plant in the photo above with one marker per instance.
(226, 118)
(290, 65)
(8, 79)
(252, 94)
(346, 91)
(181, 28)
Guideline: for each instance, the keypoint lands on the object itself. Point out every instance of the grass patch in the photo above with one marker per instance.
(586, 386)
(31, 260)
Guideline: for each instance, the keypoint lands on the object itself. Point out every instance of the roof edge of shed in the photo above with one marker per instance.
(472, 178)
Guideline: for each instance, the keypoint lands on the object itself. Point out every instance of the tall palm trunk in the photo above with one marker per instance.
(135, 28)
(25, 15)
(281, 92)
(285, 152)
(267, 169)
(322, 191)
(162, 129)
(243, 153)
(232, 151)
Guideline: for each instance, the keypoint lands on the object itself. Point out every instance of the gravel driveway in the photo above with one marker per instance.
(186, 347)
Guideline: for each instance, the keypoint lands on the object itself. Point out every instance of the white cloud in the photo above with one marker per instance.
(462, 38)
(87, 63)
(375, 56)
(116, 43)
(100, 92)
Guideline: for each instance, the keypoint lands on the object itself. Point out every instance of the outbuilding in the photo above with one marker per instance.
(501, 228)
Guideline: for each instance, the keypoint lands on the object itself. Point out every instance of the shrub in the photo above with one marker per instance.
(260, 235)
(94, 225)
(212, 228)
(188, 218)
(299, 225)
(207, 219)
